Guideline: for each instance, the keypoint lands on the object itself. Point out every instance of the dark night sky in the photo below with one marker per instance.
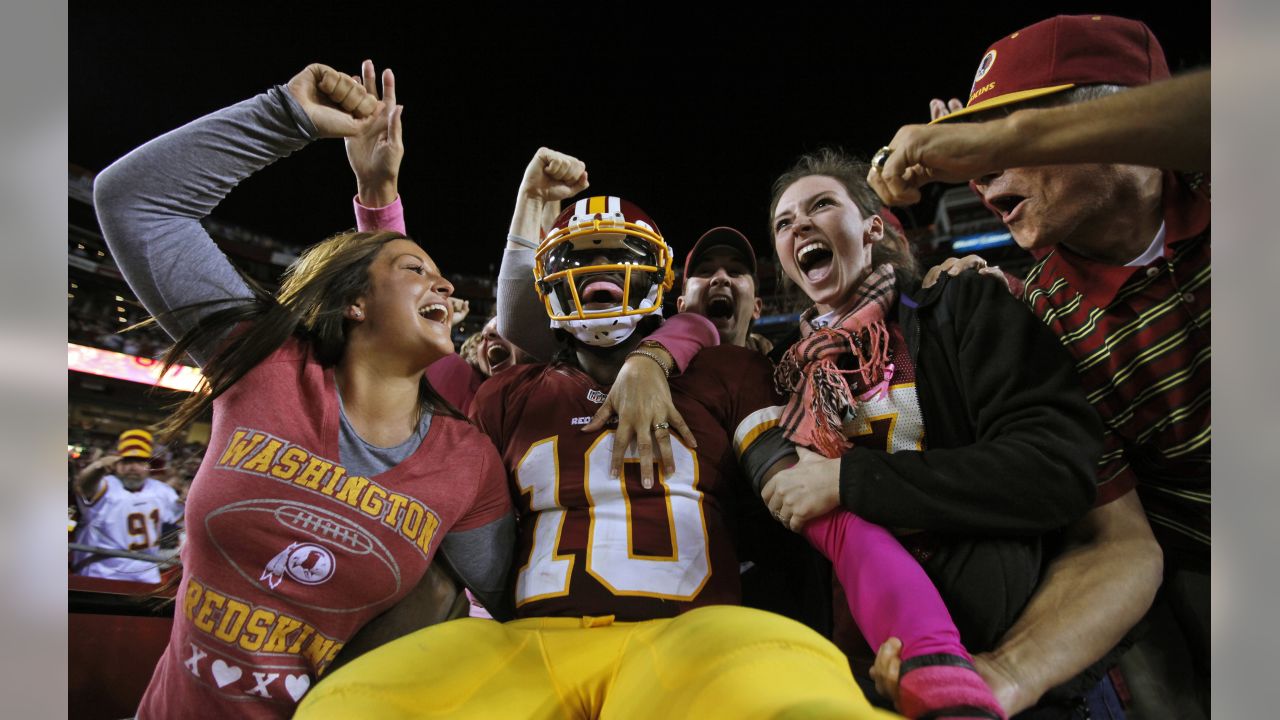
(688, 114)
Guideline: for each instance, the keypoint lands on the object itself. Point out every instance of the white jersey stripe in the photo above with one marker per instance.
(754, 424)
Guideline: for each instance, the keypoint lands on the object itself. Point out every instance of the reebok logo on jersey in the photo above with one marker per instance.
(580, 420)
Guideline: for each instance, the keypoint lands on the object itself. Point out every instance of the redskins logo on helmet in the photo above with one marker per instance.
(602, 267)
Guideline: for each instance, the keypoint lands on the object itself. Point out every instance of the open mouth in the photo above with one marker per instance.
(497, 355)
(814, 260)
(596, 294)
(435, 312)
(720, 307)
(1006, 205)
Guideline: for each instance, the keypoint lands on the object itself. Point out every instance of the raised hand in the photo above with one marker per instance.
(938, 109)
(376, 151)
(553, 176)
(549, 178)
(458, 310)
(336, 104)
(922, 154)
(87, 479)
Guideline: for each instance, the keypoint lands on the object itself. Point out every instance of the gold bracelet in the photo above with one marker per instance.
(666, 371)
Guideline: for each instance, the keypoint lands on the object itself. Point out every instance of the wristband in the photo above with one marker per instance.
(666, 371)
(524, 242)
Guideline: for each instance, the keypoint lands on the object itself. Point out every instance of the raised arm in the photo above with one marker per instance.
(376, 152)
(375, 155)
(89, 479)
(549, 177)
(151, 201)
(1164, 124)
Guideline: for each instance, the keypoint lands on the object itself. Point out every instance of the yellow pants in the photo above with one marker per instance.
(713, 662)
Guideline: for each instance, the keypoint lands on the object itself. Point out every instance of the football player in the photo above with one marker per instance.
(624, 588)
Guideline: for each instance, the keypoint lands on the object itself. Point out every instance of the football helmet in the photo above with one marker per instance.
(602, 267)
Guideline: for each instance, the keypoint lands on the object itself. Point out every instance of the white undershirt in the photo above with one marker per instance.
(824, 320)
(1153, 252)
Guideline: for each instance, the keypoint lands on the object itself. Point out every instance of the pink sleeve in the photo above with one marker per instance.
(390, 217)
(888, 592)
(683, 335)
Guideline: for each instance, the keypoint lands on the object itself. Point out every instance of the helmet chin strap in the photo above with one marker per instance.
(608, 331)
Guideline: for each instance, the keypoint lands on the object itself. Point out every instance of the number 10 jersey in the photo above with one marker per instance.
(593, 544)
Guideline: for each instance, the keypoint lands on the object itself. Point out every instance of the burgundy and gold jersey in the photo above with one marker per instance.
(592, 544)
(890, 420)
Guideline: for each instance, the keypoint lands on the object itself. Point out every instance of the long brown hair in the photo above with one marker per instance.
(850, 172)
(313, 295)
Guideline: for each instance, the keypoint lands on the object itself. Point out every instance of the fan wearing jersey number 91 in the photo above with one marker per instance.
(626, 596)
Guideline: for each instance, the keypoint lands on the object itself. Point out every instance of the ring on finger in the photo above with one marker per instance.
(661, 425)
(881, 157)
(778, 516)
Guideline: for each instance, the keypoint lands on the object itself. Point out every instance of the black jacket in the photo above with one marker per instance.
(1012, 446)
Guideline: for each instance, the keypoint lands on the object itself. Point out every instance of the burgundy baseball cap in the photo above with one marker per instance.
(721, 236)
(1060, 53)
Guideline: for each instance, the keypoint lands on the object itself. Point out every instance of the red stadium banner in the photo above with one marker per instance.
(128, 367)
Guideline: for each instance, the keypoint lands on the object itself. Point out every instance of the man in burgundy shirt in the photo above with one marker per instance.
(1123, 278)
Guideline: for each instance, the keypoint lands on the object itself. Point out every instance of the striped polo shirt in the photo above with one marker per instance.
(1141, 340)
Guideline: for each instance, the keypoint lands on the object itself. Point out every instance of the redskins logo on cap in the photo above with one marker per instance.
(983, 67)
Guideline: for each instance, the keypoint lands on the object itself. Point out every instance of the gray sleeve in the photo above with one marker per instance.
(151, 201)
(522, 317)
(764, 451)
(482, 558)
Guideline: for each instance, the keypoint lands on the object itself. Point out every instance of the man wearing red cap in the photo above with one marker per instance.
(720, 284)
(123, 509)
(1123, 279)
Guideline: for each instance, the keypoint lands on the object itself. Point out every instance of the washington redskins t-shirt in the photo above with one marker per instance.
(289, 553)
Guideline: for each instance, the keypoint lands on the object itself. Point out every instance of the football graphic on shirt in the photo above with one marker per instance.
(303, 554)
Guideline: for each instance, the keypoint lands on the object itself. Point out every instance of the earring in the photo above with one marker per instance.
(357, 313)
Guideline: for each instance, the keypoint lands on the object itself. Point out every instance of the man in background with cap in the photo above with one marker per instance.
(721, 284)
(121, 508)
(1123, 279)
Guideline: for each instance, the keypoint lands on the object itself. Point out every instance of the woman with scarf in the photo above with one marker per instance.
(950, 411)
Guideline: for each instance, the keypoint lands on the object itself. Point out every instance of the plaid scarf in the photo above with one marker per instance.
(810, 372)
